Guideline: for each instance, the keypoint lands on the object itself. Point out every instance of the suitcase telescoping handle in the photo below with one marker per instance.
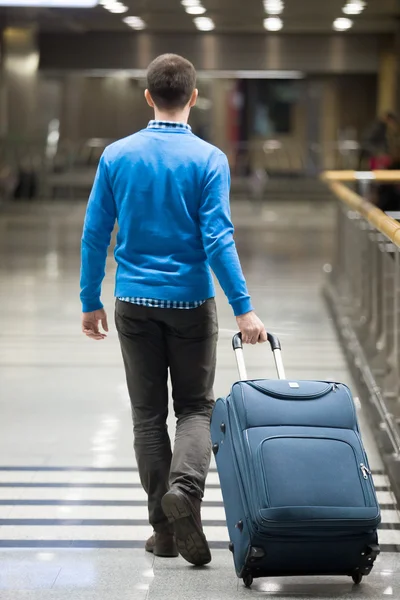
(275, 347)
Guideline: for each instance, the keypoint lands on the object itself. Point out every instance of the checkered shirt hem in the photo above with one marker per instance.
(151, 303)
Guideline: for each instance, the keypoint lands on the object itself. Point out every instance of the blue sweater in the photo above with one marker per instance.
(169, 192)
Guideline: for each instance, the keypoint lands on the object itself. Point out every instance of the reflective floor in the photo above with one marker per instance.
(72, 513)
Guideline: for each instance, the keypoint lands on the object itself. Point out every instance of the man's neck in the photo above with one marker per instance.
(176, 117)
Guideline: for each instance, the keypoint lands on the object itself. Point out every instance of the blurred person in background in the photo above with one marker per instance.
(375, 146)
(389, 194)
(169, 192)
(382, 149)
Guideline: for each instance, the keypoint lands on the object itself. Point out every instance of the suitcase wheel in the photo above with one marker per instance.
(248, 580)
(357, 577)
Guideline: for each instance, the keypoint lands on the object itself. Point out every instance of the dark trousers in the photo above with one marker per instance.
(153, 341)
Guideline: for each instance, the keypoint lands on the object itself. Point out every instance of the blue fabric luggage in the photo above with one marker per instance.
(298, 493)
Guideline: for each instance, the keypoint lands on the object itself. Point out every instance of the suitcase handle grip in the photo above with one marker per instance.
(272, 338)
(275, 344)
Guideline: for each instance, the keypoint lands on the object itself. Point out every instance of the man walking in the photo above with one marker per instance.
(169, 192)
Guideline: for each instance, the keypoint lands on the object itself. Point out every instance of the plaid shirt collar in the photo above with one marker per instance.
(168, 125)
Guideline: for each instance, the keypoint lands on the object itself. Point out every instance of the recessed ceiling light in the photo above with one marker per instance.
(135, 22)
(273, 7)
(354, 7)
(195, 10)
(50, 3)
(273, 24)
(190, 2)
(204, 23)
(118, 9)
(114, 6)
(342, 24)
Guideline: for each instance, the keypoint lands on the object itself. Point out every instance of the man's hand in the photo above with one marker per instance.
(90, 324)
(251, 328)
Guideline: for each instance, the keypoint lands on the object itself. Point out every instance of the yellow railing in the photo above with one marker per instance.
(385, 224)
(363, 291)
(382, 176)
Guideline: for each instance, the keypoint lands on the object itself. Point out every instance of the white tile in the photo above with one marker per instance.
(11, 493)
(131, 593)
(85, 477)
(16, 476)
(70, 459)
(213, 495)
(94, 512)
(50, 493)
(87, 532)
(58, 532)
(212, 479)
(381, 481)
(390, 516)
(16, 460)
(71, 476)
(389, 536)
(386, 498)
(213, 513)
(27, 576)
(79, 512)
(5, 511)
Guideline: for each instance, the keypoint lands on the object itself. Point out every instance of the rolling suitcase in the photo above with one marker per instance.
(298, 493)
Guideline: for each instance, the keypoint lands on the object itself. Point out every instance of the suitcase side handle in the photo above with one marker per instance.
(275, 347)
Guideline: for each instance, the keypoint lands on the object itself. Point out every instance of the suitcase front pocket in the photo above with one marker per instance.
(312, 481)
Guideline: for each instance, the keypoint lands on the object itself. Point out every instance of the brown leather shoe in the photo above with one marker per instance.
(183, 511)
(162, 544)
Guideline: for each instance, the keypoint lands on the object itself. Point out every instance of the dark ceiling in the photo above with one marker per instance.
(229, 16)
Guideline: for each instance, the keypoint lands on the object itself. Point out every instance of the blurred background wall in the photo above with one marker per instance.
(286, 103)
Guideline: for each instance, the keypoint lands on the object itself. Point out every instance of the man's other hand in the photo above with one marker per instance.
(91, 324)
(251, 328)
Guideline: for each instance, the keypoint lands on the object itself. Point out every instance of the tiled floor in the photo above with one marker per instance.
(72, 513)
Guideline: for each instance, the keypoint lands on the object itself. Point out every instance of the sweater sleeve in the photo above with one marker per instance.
(97, 230)
(217, 233)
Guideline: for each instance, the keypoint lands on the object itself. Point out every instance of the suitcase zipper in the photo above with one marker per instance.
(365, 471)
(283, 395)
(368, 483)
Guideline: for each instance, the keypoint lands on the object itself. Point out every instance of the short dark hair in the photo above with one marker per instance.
(171, 80)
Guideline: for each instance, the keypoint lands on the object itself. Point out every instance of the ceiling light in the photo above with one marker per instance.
(109, 3)
(50, 3)
(342, 24)
(273, 7)
(273, 4)
(273, 23)
(114, 6)
(190, 2)
(195, 10)
(204, 23)
(354, 7)
(118, 9)
(135, 22)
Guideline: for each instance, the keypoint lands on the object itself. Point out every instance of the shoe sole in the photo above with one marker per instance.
(190, 539)
(163, 554)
